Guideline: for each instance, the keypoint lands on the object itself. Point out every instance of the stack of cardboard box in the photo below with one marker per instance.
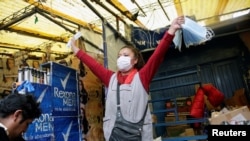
(234, 117)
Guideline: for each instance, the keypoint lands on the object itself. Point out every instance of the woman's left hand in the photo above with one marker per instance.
(176, 24)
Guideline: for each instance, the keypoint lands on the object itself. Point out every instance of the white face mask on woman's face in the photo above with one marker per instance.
(124, 63)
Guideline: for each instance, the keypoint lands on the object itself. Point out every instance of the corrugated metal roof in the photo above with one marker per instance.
(36, 25)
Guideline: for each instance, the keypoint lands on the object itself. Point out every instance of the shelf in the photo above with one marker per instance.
(173, 76)
(179, 114)
(185, 138)
(158, 100)
(175, 86)
(173, 111)
(180, 122)
(163, 111)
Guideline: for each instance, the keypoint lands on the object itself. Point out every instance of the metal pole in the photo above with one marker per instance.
(103, 33)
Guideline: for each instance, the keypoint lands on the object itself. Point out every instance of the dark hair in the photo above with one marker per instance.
(140, 63)
(7, 62)
(24, 64)
(5, 80)
(63, 62)
(82, 69)
(83, 93)
(85, 122)
(25, 102)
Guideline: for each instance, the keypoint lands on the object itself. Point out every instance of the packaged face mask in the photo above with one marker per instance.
(178, 40)
(195, 34)
(192, 33)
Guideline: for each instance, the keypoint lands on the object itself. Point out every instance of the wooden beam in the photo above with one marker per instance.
(35, 33)
(65, 16)
(12, 46)
(178, 7)
(126, 12)
(218, 11)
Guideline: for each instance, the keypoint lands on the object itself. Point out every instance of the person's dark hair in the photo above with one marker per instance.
(138, 55)
(25, 102)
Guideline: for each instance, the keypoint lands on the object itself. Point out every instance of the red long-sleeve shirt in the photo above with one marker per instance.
(146, 73)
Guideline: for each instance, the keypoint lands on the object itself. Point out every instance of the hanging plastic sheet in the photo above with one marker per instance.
(193, 34)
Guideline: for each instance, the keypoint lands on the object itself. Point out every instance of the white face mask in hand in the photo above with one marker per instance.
(124, 63)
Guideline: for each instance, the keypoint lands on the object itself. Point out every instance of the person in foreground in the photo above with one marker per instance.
(134, 78)
(17, 111)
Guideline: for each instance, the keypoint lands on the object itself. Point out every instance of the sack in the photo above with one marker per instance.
(197, 107)
(214, 95)
(126, 131)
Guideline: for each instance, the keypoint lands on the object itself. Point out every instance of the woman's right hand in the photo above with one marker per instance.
(74, 48)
